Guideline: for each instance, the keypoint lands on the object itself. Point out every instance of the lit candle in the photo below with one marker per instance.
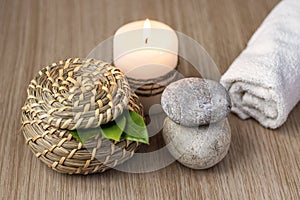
(145, 49)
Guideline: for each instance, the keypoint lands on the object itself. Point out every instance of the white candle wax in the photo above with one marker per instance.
(145, 49)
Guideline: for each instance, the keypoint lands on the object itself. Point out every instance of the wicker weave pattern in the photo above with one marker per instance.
(78, 93)
(49, 112)
(152, 87)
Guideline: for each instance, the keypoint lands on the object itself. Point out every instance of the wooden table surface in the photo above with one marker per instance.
(261, 163)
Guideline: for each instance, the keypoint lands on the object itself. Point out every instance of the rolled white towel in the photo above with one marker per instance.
(264, 81)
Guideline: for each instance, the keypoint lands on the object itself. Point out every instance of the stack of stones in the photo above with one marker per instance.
(196, 130)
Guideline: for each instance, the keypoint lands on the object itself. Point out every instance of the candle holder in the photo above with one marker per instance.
(150, 90)
(155, 86)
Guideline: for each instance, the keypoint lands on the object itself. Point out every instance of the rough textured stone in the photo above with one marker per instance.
(196, 101)
(197, 147)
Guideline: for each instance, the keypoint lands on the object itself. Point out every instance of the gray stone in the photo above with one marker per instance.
(196, 101)
(197, 147)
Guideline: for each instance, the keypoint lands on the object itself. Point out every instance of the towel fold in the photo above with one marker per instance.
(264, 81)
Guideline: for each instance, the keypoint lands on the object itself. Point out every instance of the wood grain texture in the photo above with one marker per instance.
(261, 164)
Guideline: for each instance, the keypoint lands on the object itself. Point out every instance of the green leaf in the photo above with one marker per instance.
(135, 129)
(85, 134)
(113, 130)
(130, 126)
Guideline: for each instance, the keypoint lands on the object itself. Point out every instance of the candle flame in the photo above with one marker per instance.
(147, 23)
(147, 26)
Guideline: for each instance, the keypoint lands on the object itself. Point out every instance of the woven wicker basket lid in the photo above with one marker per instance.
(77, 94)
